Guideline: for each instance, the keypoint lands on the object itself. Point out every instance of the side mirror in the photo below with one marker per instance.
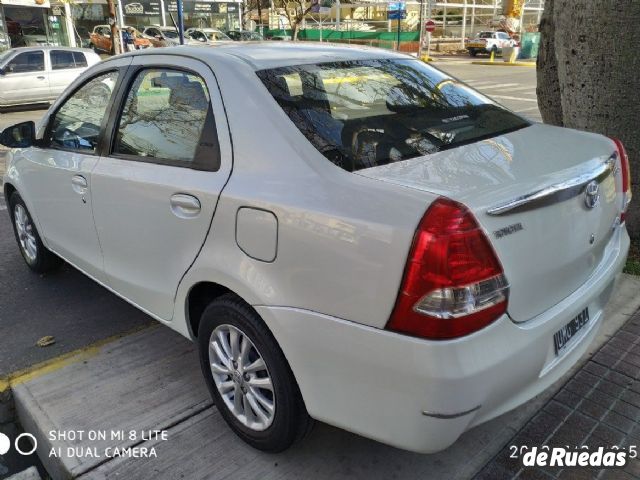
(21, 135)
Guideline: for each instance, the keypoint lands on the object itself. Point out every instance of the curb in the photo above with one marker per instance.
(61, 361)
(505, 64)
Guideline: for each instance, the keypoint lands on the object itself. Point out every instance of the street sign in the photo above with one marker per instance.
(396, 11)
(430, 26)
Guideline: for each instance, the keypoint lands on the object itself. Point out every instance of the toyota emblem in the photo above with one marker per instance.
(592, 194)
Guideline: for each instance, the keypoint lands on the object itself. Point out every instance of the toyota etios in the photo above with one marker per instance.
(349, 234)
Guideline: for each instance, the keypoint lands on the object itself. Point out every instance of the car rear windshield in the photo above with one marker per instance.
(362, 114)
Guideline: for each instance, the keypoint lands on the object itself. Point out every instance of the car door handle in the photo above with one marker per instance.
(79, 184)
(40, 77)
(184, 205)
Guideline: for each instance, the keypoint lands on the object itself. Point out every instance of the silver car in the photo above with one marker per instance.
(39, 74)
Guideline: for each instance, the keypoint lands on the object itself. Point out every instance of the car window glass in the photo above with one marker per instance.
(163, 116)
(26, 62)
(76, 125)
(79, 59)
(61, 59)
(361, 114)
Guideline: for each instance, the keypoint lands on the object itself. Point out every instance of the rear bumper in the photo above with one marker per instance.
(380, 384)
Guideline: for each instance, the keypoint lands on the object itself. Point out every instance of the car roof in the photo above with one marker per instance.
(263, 55)
(49, 47)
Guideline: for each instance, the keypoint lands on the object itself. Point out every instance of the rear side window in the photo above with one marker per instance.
(61, 59)
(26, 62)
(167, 118)
(79, 59)
(367, 113)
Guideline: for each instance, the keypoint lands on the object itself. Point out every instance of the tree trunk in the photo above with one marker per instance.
(548, 88)
(593, 49)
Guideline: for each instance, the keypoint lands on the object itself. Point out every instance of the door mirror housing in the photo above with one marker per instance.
(20, 135)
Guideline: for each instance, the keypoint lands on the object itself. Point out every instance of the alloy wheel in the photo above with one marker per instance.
(26, 233)
(242, 377)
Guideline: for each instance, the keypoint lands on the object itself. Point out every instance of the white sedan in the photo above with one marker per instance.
(349, 234)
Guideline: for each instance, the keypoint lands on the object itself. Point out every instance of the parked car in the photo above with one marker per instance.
(164, 36)
(489, 42)
(39, 74)
(101, 39)
(244, 35)
(205, 35)
(380, 247)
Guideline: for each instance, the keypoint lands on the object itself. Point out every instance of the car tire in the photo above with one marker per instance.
(288, 421)
(37, 257)
(473, 53)
(494, 50)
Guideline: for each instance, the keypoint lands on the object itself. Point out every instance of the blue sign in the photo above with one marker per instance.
(396, 11)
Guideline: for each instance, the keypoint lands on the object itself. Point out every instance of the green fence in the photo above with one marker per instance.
(408, 40)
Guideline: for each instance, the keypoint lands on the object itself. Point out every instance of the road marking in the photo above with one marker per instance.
(502, 85)
(529, 109)
(506, 97)
(528, 87)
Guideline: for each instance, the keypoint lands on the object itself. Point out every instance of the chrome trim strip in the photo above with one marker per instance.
(564, 190)
(446, 416)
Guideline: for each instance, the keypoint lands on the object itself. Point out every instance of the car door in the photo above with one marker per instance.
(26, 79)
(156, 188)
(59, 178)
(63, 70)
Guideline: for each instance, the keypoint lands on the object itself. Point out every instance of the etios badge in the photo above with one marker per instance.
(592, 194)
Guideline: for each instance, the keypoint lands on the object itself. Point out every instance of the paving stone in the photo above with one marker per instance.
(632, 358)
(570, 399)
(579, 388)
(610, 388)
(596, 369)
(619, 378)
(579, 421)
(557, 409)
(540, 427)
(627, 369)
(618, 421)
(633, 467)
(631, 397)
(593, 409)
(587, 377)
(616, 474)
(604, 433)
(568, 435)
(532, 473)
(601, 397)
(627, 410)
(605, 360)
(579, 474)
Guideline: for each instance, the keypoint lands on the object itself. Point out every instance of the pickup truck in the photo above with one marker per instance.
(487, 42)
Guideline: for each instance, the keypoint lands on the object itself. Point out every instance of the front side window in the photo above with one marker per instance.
(26, 62)
(164, 117)
(363, 114)
(76, 125)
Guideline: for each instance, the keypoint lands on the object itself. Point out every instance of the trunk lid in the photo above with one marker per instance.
(552, 244)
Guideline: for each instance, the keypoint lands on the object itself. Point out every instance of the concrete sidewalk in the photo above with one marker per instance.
(151, 380)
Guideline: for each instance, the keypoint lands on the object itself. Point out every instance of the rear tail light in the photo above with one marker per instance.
(453, 282)
(626, 177)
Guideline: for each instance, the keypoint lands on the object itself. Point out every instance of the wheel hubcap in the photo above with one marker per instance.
(26, 235)
(241, 377)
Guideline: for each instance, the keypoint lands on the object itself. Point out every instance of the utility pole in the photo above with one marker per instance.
(421, 39)
(115, 35)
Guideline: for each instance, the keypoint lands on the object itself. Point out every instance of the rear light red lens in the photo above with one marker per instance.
(453, 283)
(626, 177)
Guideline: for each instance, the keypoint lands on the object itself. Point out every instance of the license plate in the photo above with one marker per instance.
(476, 45)
(563, 336)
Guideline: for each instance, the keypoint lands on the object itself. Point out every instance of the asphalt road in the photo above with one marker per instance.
(77, 312)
